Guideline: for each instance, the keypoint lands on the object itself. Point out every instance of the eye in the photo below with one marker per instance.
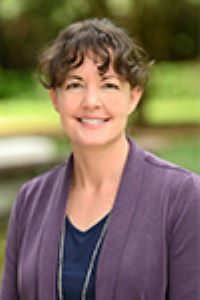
(111, 85)
(73, 85)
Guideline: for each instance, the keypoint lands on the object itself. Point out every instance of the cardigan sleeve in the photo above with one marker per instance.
(9, 289)
(184, 244)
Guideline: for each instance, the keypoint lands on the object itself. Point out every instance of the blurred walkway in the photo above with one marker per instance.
(157, 138)
(18, 156)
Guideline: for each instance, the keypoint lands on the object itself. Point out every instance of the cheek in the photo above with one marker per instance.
(123, 110)
(67, 107)
(118, 105)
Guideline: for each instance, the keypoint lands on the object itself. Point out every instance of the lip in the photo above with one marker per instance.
(92, 118)
(92, 121)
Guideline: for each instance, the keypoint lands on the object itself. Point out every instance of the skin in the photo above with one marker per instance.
(94, 110)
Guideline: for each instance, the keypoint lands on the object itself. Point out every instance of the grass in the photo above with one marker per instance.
(27, 115)
(171, 111)
(175, 80)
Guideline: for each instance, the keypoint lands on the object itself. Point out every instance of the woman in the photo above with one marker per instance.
(114, 221)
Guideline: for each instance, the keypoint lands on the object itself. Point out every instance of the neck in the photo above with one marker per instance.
(96, 167)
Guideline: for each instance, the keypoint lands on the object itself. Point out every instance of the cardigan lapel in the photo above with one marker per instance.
(53, 223)
(121, 216)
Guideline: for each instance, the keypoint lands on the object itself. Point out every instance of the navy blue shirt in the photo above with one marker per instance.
(78, 249)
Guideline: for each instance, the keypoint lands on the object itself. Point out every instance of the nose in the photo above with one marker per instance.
(91, 98)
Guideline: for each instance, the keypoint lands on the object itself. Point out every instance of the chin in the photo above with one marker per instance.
(90, 143)
(96, 141)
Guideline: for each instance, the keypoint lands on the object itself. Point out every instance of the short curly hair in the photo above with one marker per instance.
(108, 42)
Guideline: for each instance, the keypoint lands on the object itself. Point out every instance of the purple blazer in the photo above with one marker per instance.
(152, 247)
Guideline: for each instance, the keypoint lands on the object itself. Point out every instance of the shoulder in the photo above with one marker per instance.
(159, 175)
(165, 182)
(44, 180)
(157, 163)
(155, 168)
(170, 192)
(169, 173)
(34, 195)
(178, 188)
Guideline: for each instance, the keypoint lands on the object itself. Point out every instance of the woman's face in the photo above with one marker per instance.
(94, 108)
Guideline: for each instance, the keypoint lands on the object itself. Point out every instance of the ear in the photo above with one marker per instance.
(54, 99)
(135, 96)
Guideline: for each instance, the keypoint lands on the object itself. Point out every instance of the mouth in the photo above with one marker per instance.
(93, 121)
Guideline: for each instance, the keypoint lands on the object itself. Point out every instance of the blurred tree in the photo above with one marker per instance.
(27, 29)
(168, 29)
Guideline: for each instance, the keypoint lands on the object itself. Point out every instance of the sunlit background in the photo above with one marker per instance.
(167, 121)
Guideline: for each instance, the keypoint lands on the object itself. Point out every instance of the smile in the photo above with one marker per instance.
(92, 121)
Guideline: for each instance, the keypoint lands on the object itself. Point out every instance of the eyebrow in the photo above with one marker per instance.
(104, 77)
(74, 77)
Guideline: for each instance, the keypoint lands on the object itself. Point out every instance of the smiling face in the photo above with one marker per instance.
(94, 108)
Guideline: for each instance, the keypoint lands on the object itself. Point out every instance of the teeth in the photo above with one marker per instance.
(92, 121)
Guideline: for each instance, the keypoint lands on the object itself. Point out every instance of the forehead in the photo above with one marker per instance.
(94, 63)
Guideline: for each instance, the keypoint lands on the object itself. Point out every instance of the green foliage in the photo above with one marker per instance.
(173, 94)
(167, 29)
(10, 8)
(120, 8)
(194, 1)
(20, 84)
(175, 81)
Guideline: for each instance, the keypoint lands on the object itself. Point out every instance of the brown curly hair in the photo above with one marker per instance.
(100, 37)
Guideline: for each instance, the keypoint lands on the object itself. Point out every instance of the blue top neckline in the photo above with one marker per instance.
(69, 224)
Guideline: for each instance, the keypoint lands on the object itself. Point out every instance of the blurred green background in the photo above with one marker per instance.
(167, 120)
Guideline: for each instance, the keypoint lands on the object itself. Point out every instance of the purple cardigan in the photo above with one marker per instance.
(152, 247)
